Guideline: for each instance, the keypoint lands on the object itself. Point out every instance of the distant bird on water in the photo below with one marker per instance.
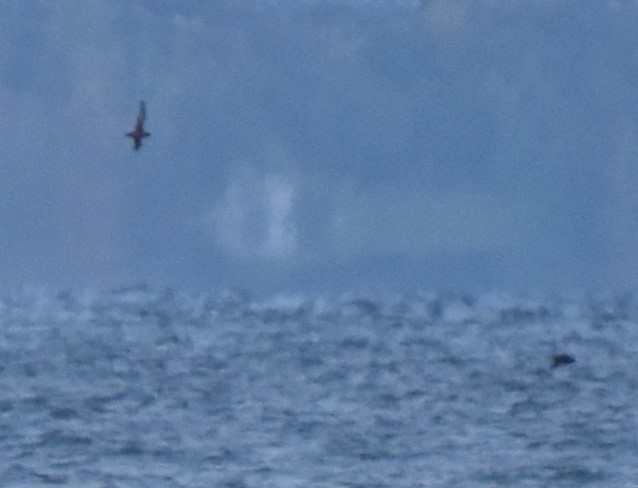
(139, 133)
(562, 360)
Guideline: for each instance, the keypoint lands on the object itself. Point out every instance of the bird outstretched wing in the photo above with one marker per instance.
(141, 115)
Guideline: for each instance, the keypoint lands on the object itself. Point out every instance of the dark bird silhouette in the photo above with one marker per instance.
(139, 133)
(562, 360)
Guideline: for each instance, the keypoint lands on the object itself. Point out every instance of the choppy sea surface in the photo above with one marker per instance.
(155, 388)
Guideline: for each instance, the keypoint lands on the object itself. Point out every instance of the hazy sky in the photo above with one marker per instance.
(320, 144)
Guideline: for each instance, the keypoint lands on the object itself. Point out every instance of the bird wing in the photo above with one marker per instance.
(141, 115)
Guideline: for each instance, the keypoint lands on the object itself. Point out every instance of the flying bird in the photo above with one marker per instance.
(139, 133)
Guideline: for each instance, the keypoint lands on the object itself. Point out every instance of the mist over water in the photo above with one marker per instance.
(468, 145)
(138, 387)
(317, 154)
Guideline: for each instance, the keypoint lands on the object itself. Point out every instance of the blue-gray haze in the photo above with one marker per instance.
(320, 145)
(358, 234)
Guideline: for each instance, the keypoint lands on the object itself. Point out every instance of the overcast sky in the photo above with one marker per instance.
(320, 144)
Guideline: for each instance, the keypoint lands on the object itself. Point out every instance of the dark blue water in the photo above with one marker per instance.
(147, 388)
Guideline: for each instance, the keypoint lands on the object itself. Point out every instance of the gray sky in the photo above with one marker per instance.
(320, 145)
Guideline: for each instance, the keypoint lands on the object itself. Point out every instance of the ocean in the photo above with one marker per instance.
(141, 387)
